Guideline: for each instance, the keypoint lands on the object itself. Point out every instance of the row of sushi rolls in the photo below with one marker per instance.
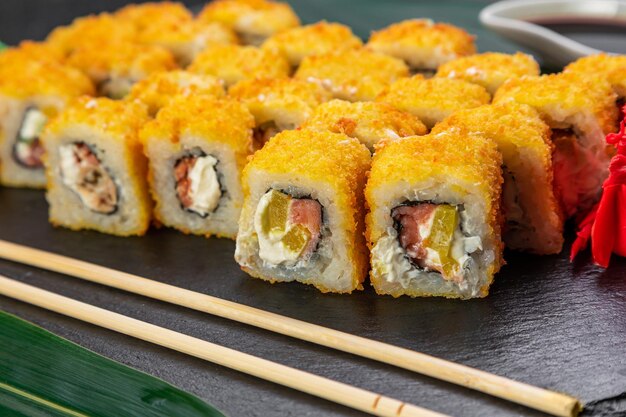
(410, 157)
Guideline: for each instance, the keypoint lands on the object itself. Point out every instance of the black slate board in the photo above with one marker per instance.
(547, 322)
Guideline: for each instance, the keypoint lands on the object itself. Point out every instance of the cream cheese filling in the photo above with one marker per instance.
(204, 191)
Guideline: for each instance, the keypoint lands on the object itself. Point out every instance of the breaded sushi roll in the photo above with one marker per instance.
(315, 39)
(93, 32)
(368, 121)
(252, 20)
(29, 50)
(96, 169)
(197, 147)
(352, 75)
(423, 44)
(433, 99)
(433, 226)
(278, 104)
(302, 218)
(610, 67)
(580, 111)
(172, 26)
(533, 217)
(232, 63)
(115, 67)
(490, 69)
(31, 93)
(160, 88)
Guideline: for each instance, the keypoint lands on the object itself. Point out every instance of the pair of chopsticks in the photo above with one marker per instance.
(534, 397)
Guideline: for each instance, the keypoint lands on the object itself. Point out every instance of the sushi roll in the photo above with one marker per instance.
(31, 93)
(533, 217)
(29, 50)
(423, 44)
(368, 121)
(490, 69)
(610, 67)
(278, 104)
(581, 111)
(252, 20)
(302, 218)
(115, 67)
(172, 26)
(315, 39)
(96, 169)
(352, 75)
(197, 147)
(160, 88)
(93, 32)
(232, 63)
(433, 99)
(433, 226)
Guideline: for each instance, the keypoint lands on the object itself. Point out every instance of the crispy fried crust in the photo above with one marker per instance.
(130, 60)
(353, 75)
(160, 88)
(433, 99)
(570, 92)
(217, 119)
(118, 120)
(490, 69)
(367, 121)
(610, 67)
(29, 50)
(233, 63)
(286, 94)
(453, 153)
(419, 40)
(22, 76)
(91, 32)
(259, 17)
(329, 158)
(315, 39)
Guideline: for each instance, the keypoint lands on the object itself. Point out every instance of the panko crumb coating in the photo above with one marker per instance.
(91, 32)
(232, 63)
(157, 90)
(434, 99)
(564, 94)
(122, 60)
(253, 20)
(315, 39)
(611, 67)
(490, 69)
(171, 25)
(369, 122)
(289, 98)
(458, 154)
(23, 77)
(353, 75)
(422, 43)
(29, 50)
(218, 119)
(333, 161)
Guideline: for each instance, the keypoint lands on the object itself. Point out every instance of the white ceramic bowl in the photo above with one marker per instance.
(510, 18)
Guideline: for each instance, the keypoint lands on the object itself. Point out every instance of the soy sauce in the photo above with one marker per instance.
(603, 34)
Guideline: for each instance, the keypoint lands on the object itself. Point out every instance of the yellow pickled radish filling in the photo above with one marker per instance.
(280, 241)
(439, 241)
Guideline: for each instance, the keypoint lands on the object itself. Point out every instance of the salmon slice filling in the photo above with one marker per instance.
(28, 150)
(288, 228)
(84, 174)
(197, 184)
(264, 133)
(432, 239)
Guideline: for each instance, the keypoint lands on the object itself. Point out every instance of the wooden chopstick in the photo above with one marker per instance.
(328, 389)
(534, 397)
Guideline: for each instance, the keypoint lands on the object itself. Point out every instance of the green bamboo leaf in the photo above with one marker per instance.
(42, 374)
(2, 46)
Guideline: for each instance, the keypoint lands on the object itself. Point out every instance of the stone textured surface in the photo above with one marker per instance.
(547, 322)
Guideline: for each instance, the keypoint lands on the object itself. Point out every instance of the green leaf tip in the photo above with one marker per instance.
(42, 374)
